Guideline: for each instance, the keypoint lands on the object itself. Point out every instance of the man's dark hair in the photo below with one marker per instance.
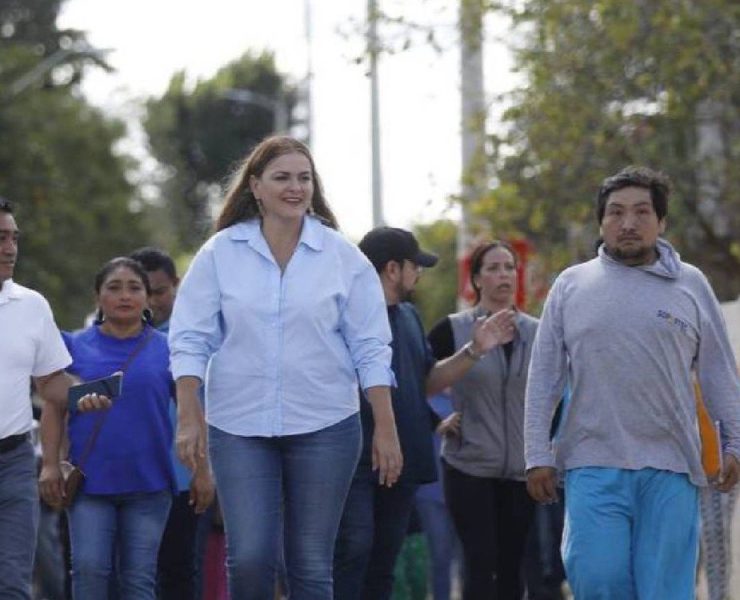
(655, 182)
(5, 206)
(154, 259)
(384, 244)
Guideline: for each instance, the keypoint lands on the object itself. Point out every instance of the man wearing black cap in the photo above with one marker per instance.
(375, 518)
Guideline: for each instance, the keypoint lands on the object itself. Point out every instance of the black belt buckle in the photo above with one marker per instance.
(12, 442)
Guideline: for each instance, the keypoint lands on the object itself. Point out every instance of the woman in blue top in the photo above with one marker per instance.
(123, 504)
(281, 316)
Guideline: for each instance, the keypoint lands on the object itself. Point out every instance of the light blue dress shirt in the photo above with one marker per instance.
(281, 353)
(182, 473)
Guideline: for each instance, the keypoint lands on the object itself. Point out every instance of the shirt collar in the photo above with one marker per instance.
(312, 233)
(9, 292)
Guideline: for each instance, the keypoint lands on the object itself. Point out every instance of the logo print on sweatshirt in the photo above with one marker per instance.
(669, 318)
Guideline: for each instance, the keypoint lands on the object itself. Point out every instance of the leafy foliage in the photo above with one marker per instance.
(57, 165)
(613, 83)
(436, 292)
(199, 134)
(29, 27)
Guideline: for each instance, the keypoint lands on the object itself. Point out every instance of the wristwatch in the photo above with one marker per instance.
(470, 353)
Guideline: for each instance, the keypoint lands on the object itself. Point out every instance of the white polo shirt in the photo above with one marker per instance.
(30, 344)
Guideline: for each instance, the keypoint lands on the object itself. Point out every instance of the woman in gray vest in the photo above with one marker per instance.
(483, 445)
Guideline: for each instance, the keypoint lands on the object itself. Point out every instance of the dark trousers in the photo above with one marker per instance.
(492, 517)
(371, 534)
(176, 561)
(544, 571)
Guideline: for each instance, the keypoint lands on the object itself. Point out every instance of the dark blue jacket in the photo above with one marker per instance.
(412, 361)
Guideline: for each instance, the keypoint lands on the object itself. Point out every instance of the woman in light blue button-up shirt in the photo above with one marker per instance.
(281, 317)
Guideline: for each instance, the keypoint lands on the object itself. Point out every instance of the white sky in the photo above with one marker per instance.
(419, 89)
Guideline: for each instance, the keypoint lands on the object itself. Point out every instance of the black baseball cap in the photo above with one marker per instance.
(384, 244)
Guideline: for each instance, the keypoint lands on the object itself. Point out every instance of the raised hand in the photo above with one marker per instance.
(494, 330)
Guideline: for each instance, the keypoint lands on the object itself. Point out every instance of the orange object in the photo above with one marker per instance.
(710, 444)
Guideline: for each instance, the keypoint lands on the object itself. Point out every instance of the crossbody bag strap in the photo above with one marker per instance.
(99, 424)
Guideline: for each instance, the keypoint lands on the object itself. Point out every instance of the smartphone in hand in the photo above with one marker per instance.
(105, 386)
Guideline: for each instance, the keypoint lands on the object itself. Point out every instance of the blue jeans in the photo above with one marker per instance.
(543, 566)
(630, 534)
(19, 519)
(302, 479)
(127, 526)
(371, 534)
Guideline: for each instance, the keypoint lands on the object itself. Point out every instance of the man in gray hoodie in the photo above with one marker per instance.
(627, 331)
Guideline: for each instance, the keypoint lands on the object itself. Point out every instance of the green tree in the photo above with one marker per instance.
(612, 83)
(199, 134)
(73, 201)
(33, 22)
(436, 292)
(30, 38)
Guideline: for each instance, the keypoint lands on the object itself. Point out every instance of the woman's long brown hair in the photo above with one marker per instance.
(241, 205)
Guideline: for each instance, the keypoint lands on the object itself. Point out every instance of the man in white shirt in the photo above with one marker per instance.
(31, 347)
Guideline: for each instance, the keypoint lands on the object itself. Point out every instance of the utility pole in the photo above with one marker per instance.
(711, 163)
(473, 121)
(308, 79)
(372, 50)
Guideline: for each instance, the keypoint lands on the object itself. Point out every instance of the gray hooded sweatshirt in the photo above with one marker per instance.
(626, 340)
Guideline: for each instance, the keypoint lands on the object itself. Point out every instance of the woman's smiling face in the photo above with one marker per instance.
(285, 188)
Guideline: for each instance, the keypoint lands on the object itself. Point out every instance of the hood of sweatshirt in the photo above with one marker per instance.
(668, 264)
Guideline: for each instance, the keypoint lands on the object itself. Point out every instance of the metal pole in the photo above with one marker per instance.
(281, 118)
(277, 106)
(372, 45)
(473, 119)
(711, 163)
(308, 81)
